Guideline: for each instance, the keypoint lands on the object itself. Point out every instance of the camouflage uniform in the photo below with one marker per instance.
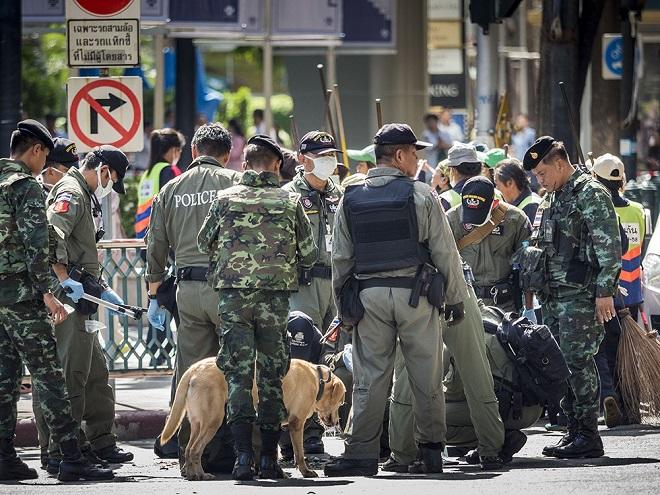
(26, 335)
(256, 234)
(578, 232)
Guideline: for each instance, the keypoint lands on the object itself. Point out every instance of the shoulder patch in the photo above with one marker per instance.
(64, 196)
(61, 206)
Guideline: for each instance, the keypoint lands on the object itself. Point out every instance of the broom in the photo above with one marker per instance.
(638, 366)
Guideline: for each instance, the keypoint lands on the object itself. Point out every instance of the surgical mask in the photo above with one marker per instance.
(324, 166)
(490, 214)
(101, 192)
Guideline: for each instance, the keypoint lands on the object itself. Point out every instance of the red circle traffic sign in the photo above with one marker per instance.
(83, 94)
(104, 8)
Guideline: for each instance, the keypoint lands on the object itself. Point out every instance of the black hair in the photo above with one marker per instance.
(612, 185)
(258, 113)
(212, 140)
(469, 169)
(233, 123)
(388, 151)
(19, 143)
(162, 140)
(259, 156)
(558, 150)
(511, 169)
(431, 116)
(91, 161)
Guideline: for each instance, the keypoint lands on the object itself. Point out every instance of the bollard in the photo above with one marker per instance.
(649, 193)
(632, 191)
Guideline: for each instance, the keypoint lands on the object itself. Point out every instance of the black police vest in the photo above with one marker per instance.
(383, 226)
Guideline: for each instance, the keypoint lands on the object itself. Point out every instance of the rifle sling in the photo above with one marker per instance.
(483, 231)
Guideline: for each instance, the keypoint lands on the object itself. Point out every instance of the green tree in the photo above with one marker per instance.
(44, 75)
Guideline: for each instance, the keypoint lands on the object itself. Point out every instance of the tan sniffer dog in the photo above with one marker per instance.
(202, 395)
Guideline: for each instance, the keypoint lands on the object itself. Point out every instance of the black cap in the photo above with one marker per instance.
(398, 134)
(37, 130)
(477, 198)
(318, 142)
(64, 153)
(116, 160)
(268, 142)
(537, 152)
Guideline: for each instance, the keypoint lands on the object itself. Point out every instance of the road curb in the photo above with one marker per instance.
(129, 425)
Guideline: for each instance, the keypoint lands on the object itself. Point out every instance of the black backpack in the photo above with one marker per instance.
(541, 370)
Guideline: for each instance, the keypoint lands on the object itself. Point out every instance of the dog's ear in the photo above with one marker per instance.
(338, 391)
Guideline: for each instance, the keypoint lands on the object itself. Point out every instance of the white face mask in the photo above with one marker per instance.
(324, 166)
(101, 192)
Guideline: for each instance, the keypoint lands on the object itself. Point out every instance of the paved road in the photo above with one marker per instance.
(632, 466)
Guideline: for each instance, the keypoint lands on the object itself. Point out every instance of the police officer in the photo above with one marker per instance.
(577, 236)
(71, 206)
(26, 300)
(256, 234)
(59, 161)
(177, 213)
(389, 232)
(463, 164)
(467, 348)
(609, 171)
(487, 233)
(461, 431)
(319, 197)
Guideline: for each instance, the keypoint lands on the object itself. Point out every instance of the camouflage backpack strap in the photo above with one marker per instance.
(480, 233)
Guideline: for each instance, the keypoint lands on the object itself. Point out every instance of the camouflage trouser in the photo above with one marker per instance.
(574, 323)
(26, 336)
(254, 322)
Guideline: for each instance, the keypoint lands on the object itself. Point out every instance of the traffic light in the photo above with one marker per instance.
(486, 12)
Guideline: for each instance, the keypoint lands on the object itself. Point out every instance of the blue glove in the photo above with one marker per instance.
(109, 295)
(73, 289)
(156, 315)
(530, 314)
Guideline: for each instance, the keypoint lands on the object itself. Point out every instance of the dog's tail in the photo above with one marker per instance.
(178, 410)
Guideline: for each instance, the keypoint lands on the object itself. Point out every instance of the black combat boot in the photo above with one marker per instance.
(244, 465)
(569, 436)
(269, 469)
(342, 466)
(113, 454)
(11, 466)
(514, 440)
(44, 458)
(429, 459)
(587, 442)
(75, 466)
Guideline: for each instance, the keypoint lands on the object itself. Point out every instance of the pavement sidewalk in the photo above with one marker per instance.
(142, 405)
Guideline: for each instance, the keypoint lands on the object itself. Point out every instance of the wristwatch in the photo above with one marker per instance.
(152, 296)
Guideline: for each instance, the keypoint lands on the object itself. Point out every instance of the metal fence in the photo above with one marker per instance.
(131, 345)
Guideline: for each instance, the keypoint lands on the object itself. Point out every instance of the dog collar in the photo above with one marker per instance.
(322, 381)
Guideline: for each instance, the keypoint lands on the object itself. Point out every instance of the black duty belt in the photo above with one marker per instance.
(195, 273)
(321, 271)
(396, 282)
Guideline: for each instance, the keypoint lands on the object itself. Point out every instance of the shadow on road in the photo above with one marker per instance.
(552, 463)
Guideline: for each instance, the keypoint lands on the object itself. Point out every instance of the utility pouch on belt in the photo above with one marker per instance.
(502, 292)
(532, 268)
(91, 285)
(436, 290)
(351, 310)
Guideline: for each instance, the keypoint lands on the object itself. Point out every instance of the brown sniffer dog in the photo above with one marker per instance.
(202, 395)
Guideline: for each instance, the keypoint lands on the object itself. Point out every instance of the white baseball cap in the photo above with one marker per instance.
(609, 166)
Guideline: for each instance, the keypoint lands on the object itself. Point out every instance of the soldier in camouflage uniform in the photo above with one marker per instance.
(257, 235)
(574, 267)
(26, 299)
